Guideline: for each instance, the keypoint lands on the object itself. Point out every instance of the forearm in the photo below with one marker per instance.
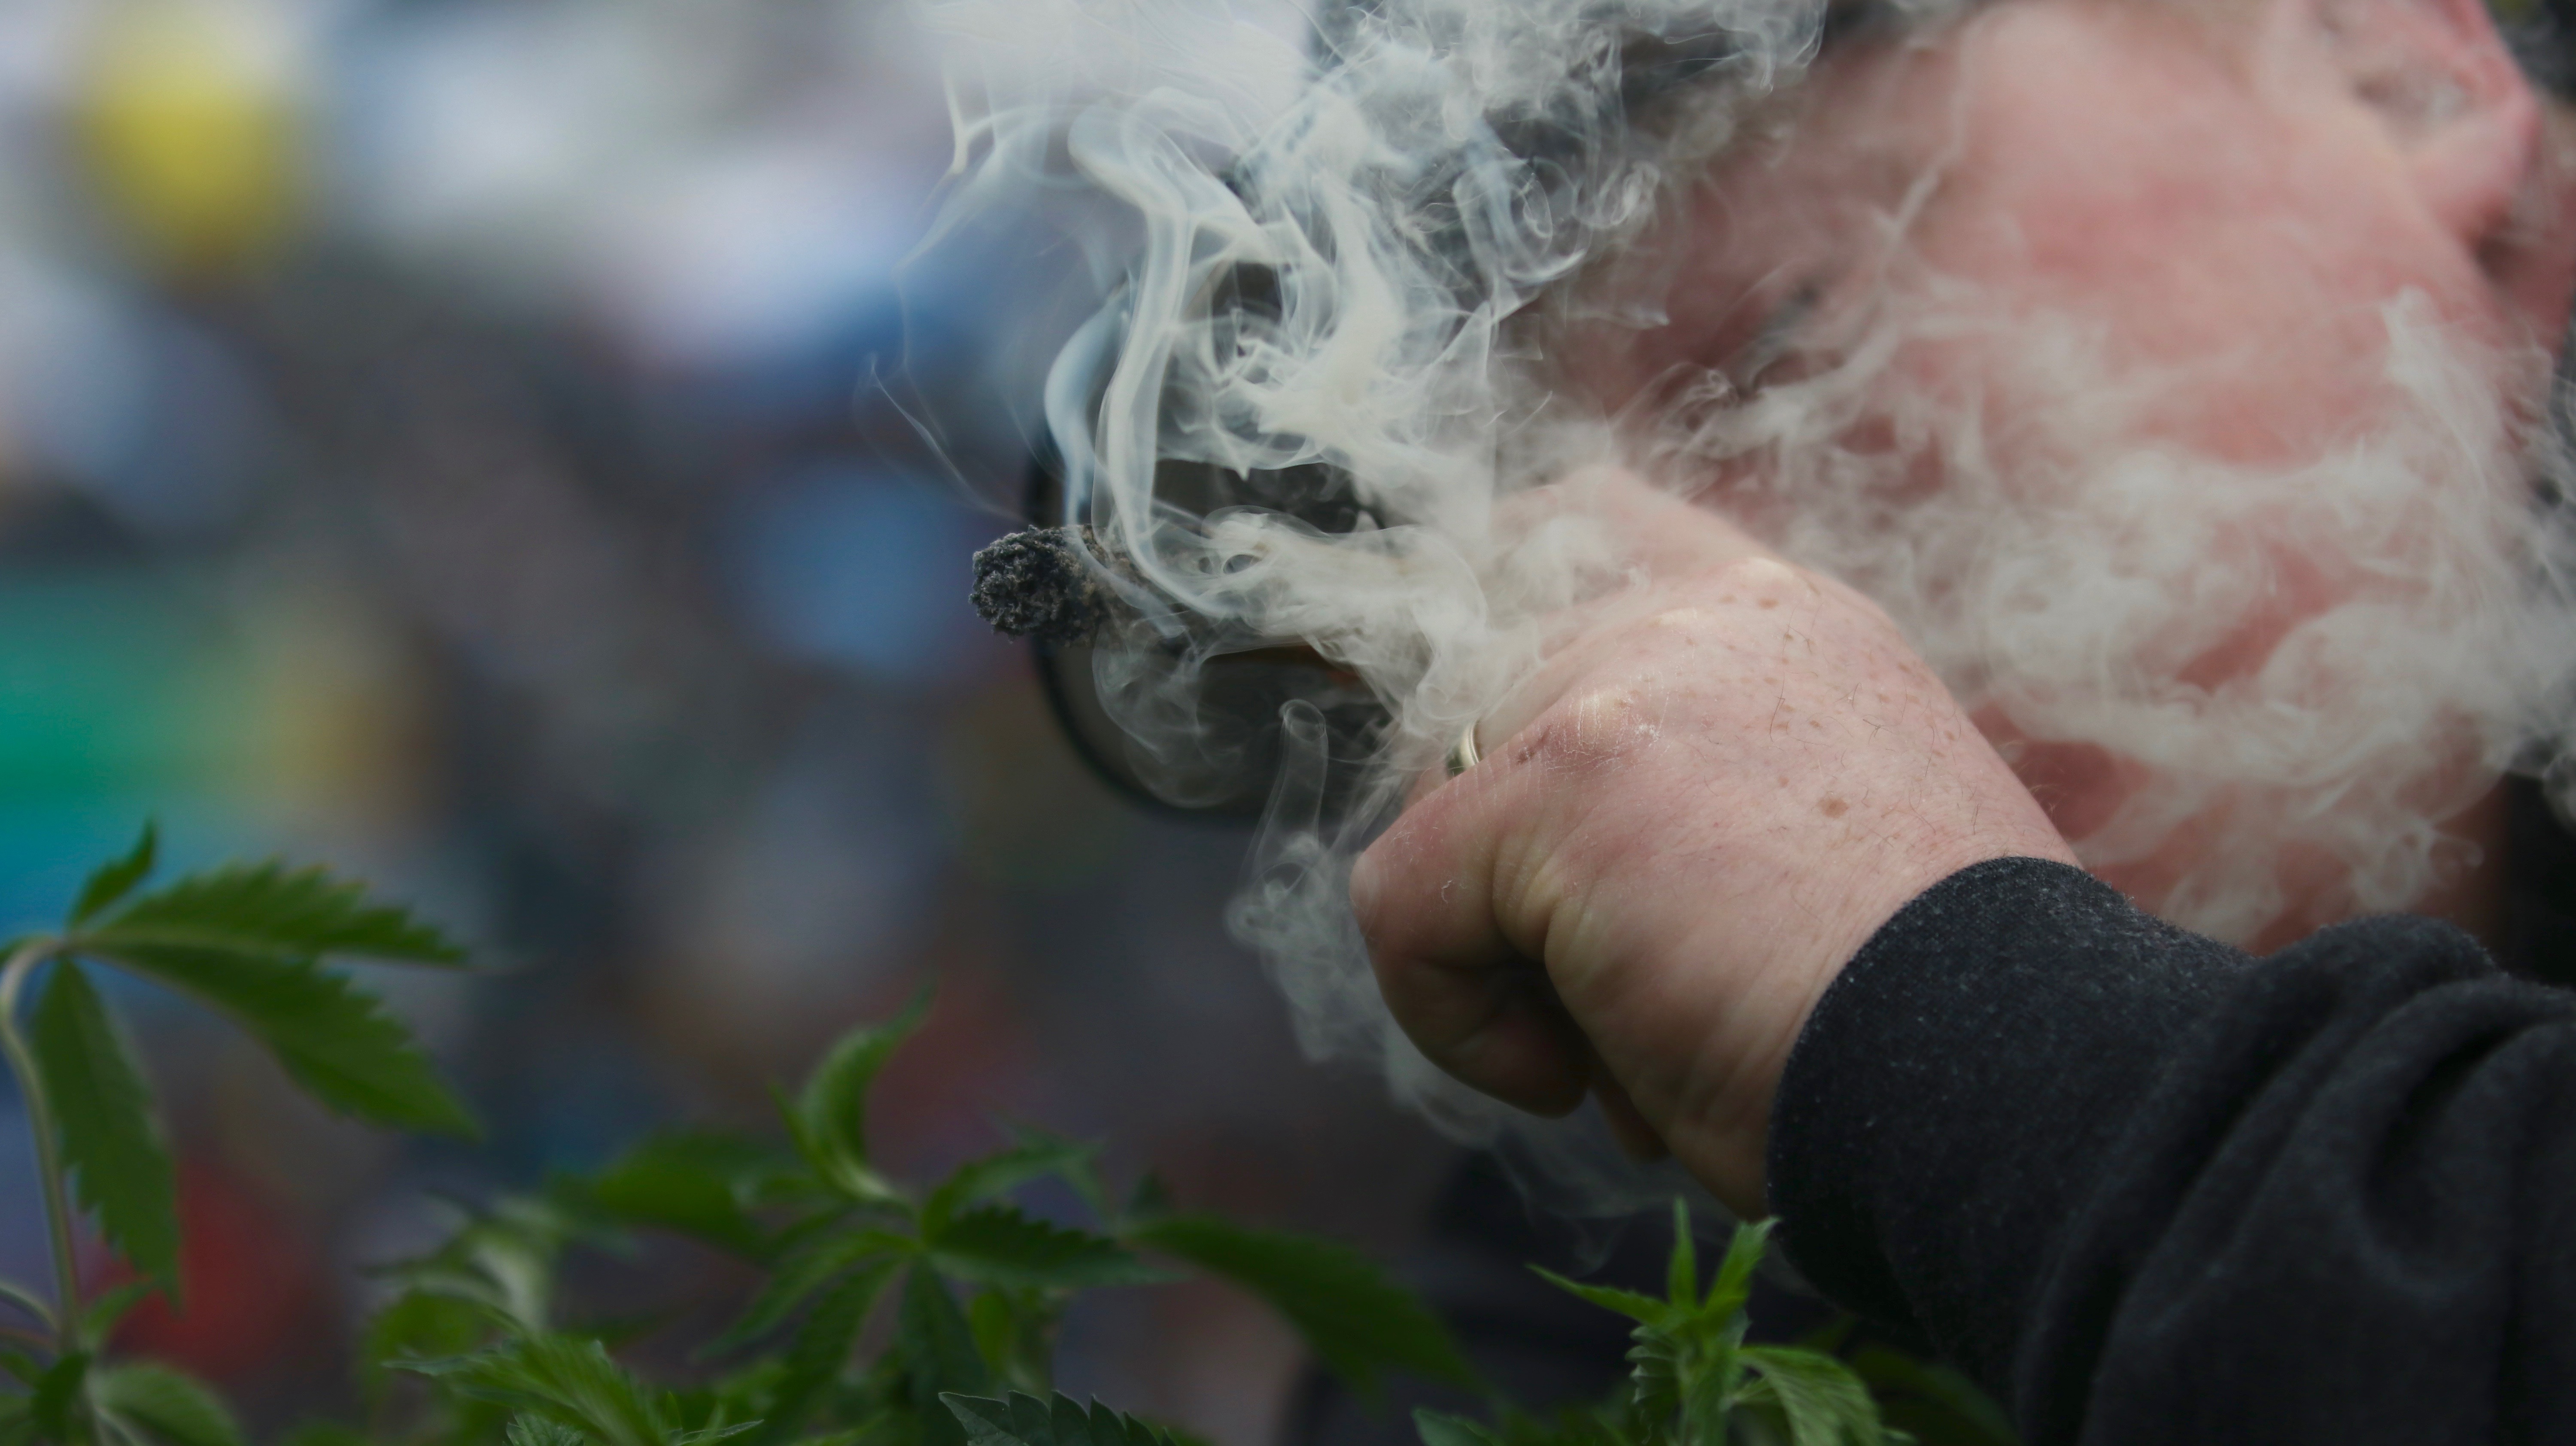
(2153, 1190)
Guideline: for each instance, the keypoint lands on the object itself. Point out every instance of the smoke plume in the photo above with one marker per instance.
(1321, 358)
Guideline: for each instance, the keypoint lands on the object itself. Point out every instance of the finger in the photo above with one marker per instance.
(1668, 537)
(1474, 1004)
(1637, 1139)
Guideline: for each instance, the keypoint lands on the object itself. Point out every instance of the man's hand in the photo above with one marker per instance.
(1683, 827)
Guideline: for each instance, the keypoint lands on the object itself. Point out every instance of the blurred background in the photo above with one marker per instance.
(493, 445)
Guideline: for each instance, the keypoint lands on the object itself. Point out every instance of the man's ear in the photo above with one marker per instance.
(2440, 82)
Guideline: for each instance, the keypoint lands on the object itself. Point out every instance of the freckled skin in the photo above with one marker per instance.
(1638, 832)
(1723, 783)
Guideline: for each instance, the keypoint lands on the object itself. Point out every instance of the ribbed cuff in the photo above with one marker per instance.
(1960, 1082)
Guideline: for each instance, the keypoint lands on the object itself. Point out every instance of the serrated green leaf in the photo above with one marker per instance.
(692, 1183)
(1033, 1157)
(1001, 1245)
(103, 1115)
(177, 1408)
(996, 1328)
(1439, 1428)
(800, 1274)
(1024, 1420)
(539, 1431)
(564, 1380)
(55, 1405)
(1681, 1271)
(1357, 1320)
(334, 1038)
(420, 1325)
(831, 1113)
(109, 1306)
(116, 878)
(27, 1301)
(985, 1421)
(936, 1353)
(1643, 1309)
(734, 1399)
(500, 1264)
(823, 1342)
(1734, 1283)
(1655, 1375)
(1825, 1403)
(705, 1435)
(269, 909)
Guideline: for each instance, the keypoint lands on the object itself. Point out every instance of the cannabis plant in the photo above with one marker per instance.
(885, 1311)
(249, 942)
(969, 1286)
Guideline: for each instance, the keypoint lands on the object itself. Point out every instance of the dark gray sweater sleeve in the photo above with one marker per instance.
(2149, 1189)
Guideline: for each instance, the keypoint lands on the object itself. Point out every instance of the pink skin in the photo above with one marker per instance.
(1723, 784)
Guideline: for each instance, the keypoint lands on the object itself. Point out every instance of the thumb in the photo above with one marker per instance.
(1474, 1002)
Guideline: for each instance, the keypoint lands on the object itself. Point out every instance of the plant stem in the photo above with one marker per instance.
(27, 1301)
(49, 1152)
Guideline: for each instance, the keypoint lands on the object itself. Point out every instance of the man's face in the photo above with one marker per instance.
(2145, 369)
(2224, 207)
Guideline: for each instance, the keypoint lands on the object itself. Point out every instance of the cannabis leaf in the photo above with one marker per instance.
(263, 908)
(829, 1118)
(1439, 1428)
(116, 878)
(1000, 1245)
(248, 939)
(937, 1350)
(109, 1306)
(824, 1340)
(693, 1183)
(103, 1116)
(55, 1404)
(1826, 1405)
(798, 1275)
(499, 1265)
(1024, 1420)
(538, 1431)
(1033, 1156)
(177, 1408)
(1643, 1309)
(333, 1037)
(1695, 1379)
(573, 1383)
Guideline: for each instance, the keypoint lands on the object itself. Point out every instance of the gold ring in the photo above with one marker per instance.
(1463, 754)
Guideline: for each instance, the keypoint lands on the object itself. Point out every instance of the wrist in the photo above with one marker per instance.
(1724, 1138)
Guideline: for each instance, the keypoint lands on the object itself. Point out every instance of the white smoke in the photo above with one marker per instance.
(1329, 276)
(2394, 616)
(1330, 282)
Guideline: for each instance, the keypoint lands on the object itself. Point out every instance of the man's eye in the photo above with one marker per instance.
(1778, 336)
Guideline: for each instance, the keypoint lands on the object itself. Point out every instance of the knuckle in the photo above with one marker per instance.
(1763, 578)
(1371, 899)
(1590, 728)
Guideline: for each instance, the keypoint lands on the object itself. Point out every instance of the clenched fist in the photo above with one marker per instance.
(1683, 826)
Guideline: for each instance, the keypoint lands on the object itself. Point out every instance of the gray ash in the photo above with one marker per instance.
(1038, 583)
